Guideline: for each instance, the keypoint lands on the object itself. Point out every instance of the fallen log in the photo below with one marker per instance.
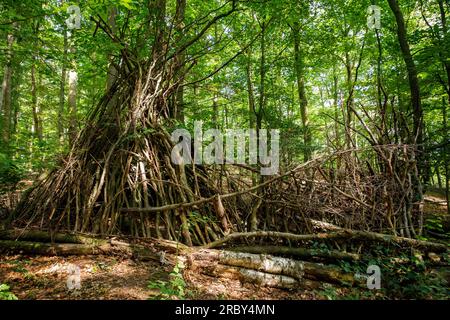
(22, 240)
(380, 237)
(298, 252)
(45, 236)
(63, 249)
(339, 234)
(205, 259)
(401, 241)
(323, 226)
(287, 267)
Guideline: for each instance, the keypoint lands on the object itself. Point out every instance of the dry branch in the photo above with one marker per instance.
(222, 196)
(273, 234)
(298, 252)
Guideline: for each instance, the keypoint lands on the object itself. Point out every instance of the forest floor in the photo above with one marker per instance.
(105, 278)
(110, 277)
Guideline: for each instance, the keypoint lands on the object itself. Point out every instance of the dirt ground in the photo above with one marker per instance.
(108, 278)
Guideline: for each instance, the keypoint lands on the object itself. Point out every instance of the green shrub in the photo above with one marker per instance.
(5, 294)
(175, 288)
(10, 173)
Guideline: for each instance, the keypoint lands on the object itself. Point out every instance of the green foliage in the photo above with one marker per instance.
(195, 217)
(5, 294)
(328, 293)
(404, 275)
(10, 173)
(175, 288)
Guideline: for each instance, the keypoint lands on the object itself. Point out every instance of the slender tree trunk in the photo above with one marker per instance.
(259, 112)
(412, 73)
(5, 101)
(215, 111)
(349, 103)
(337, 133)
(300, 74)
(72, 103)
(262, 74)
(180, 60)
(445, 56)
(444, 106)
(251, 92)
(157, 12)
(417, 136)
(62, 94)
(251, 98)
(34, 104)
(112, 70)
(446, 156)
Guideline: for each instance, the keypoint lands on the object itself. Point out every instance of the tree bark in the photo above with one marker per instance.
(180, 60)
(5, 101)
(72, 104)
(298, 252)
(411, 70)
(112, 70)
(300, 74)
(34, 103)
(41, 248)
(339, 233)
(62, 88)
(271, 265)
(417, 136)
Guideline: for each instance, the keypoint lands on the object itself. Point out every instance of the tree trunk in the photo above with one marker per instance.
(417, 136)
(250, 90)
(412, 72)
(446, 157)
(336, 109)
(112, 70)
(348, 115)
(157, 12)
(180, 60)
(72, 104)
(62, 86)
(300, 74)
(444, 107)
(34, 104)
(5, 101)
